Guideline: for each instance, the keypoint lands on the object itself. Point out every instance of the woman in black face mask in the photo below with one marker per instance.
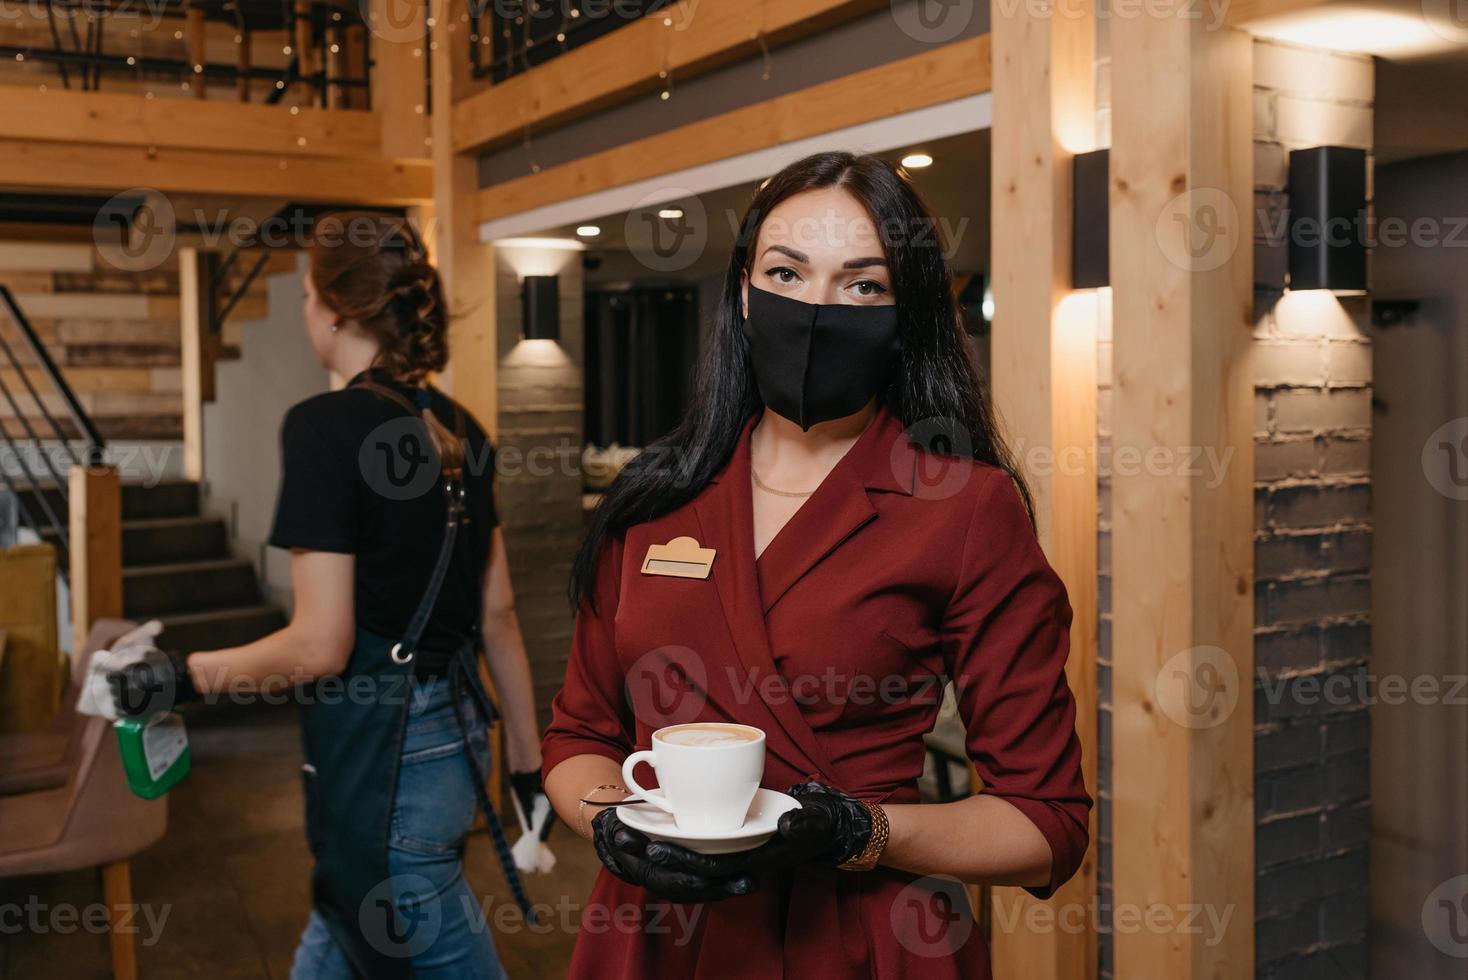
(863, 536)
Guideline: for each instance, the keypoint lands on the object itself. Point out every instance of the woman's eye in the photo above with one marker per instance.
(783, 274)
(869, 287)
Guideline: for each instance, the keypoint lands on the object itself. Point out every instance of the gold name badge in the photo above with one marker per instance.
(681, 558)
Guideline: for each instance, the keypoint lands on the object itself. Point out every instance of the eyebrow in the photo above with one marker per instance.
(861, 263)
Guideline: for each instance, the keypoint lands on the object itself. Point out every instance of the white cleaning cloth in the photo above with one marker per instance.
(530, 852)
(96, 697)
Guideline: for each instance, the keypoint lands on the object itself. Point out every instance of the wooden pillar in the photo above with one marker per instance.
(1043, 361)
(467, 265)
(399, 89)
(196, 33)
(95, 499)
(242, 83)
(194, 346)
(1182, 534)
(305, 42)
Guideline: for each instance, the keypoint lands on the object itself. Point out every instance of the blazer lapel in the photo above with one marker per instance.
(726, 522)
(881, 459)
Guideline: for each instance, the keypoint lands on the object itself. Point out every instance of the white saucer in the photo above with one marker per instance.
(760, 824)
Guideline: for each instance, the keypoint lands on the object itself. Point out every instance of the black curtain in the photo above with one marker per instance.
(641, 344)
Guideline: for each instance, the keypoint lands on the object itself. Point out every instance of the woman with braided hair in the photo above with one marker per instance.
(399, 578)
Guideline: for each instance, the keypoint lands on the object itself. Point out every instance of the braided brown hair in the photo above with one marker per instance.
(373, 269)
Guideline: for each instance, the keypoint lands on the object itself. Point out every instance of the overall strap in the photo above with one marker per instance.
(404, 650)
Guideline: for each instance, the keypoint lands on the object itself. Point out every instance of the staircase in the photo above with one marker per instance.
(177, 568)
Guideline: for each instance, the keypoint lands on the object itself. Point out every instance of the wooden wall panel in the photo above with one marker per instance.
(30, 671)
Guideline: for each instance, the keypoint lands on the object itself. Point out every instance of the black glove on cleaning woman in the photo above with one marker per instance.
(624, 852)
(828, 829)
(159, 682)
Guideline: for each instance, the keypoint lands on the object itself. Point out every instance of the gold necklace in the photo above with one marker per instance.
(779, 493)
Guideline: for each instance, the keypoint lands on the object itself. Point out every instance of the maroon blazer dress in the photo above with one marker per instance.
(903, 569)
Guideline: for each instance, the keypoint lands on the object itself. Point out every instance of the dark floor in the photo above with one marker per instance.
(227, 888)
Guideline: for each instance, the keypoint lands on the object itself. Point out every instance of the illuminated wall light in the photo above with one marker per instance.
(1360, 31)
(1090, 237)
(670, 214)
(588, 231)
(917, 161)
(1327, 205)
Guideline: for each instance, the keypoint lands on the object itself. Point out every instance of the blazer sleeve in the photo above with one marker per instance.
(590, 714)
(1007, 635)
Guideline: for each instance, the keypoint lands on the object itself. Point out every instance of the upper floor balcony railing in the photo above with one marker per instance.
(512, 36)
(300, 52)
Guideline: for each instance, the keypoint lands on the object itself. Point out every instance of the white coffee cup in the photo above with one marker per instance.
(708, 772)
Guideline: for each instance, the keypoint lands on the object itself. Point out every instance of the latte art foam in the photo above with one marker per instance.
(709, 736)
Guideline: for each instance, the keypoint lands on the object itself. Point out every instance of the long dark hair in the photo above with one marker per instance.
(936, 386)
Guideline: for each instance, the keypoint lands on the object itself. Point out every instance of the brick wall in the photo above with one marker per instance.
(1312, 369)
(538, 489)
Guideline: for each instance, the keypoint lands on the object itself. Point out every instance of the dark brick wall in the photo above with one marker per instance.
(1312, 595)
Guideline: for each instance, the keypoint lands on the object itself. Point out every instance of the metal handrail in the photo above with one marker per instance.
(95, 448)
(95, 443)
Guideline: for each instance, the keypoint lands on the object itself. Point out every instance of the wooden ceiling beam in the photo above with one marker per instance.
(943, 74)
(34, 165)
(104, 118)
(686, 38)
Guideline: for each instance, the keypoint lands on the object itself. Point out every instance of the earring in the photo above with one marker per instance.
(335, 327)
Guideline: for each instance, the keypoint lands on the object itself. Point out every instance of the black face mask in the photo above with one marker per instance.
(817, 362)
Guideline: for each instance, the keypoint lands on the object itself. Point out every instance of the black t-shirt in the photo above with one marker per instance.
(360, 477)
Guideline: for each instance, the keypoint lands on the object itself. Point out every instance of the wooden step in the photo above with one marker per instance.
(215, 629)
(168, 540)
(197, 586)
(167, 498)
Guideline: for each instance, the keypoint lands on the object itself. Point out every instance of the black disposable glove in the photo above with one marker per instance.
(828, 829)
(157, 683)
(527, 789)
(624, 852)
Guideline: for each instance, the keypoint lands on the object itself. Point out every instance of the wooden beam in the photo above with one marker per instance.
(399, 79)
(195, 344)
(466, 264)
(305, 41)
(197, 38)
(33, 165)
(949, 72)
(30, 677)
(1182, 534)
(95, 500)
(629, 60)
(114, 119)
(1043, 366)
(1237, 13)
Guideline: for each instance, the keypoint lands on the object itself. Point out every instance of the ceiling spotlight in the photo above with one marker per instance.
(588, 231)
(917, 161)
(670, 214)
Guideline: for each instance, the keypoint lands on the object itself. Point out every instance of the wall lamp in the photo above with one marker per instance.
(540, 308)
(1327, 210)
(1090, 237)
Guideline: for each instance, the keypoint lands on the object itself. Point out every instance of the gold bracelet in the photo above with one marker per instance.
(867, 859)
(581, 810)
